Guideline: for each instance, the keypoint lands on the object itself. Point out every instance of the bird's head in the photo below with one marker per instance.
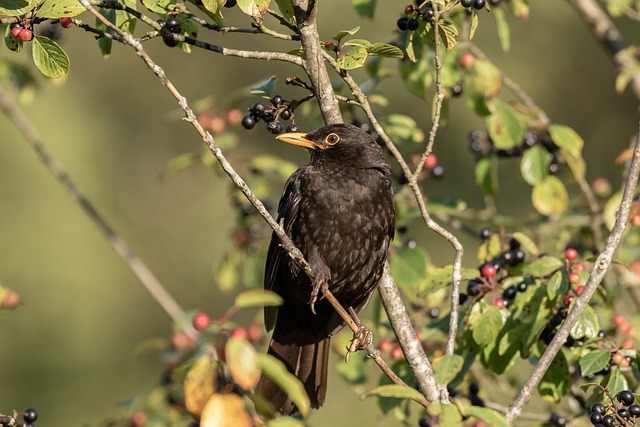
(342, 144)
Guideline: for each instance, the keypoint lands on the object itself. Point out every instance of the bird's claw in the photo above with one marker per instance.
(362, 338)
(319, 284)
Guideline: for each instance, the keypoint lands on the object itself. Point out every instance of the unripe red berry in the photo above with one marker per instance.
(254, 331)
(566, 300)
(181, 340)
(500, 303)
(625, 362)
(627, 344)
(239, 333)
(467, 60)
(200, 321)
(16, 30)
(578, 267)
(66, 22)
(431, 161)
(579, 290)
(617, 358)
(329, 45)
(571, 254)
(25, 35)
(385, 346)
(396, 354)
(488, 271)
(574, 278)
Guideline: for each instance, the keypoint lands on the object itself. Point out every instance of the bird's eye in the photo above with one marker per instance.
(332, 139)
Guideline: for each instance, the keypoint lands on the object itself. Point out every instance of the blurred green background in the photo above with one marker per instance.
(70, 351)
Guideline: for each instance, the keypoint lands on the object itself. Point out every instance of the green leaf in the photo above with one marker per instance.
(417, 77)
(449, 33)
(490, 417)
(550, 196)
(242, 362)
(179, 163)
(409, 266)
(16, 7)
(341, 34)
(487, 78)
(543, 267)
(358, 42)
(488, 326)
(487, 175)
(365, 8)
(489, 248)
(503, 125)
(556, 382)
(575, 163)
(520, 8)
(60, 8)
(355, 372)
(527, 244)
(286, 10)
(278, 373)
(587, 325)
(258, 298)
(567, 139)
(402, 129)
(594, 361)
(352, 57)
(49, 57)
(534, 165)
(558, 284)
(285, 422)
(158, 6)
(617, 381)
(439, 278)
(254, 8)
(474, 26)
(611, 209)
(394, 390)
(198, 384)
(447, 367)
(104, 43)
(503, 28)
(385, 50)
(265, 89)
(447, 415)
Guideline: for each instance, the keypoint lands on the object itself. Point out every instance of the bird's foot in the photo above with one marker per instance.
(320, 284)
(362, 338)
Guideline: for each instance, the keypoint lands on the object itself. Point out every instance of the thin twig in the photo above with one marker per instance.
(600, 268)
(139, 268)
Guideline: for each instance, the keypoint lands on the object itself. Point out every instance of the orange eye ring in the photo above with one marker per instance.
(332, 139)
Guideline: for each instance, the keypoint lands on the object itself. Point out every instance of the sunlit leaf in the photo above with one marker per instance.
(534, 165)
(449, 33)
(385, 50)
(394, 390)
(594, 361)
(60, 8)
(488, 327)
(490, 417)
(352, 57)
(567, 139)
(587, 325)
(409, 266)
(225, 410)
(503, 28)
(49, 57)
(254, 8)
(242, 362)
(16, 7)
(487, 175)
(341, 34)
(543, 267)
(503, 125)
(286, 10)
(258, 298)
(550, 196)
(199, 385)
(447, 367)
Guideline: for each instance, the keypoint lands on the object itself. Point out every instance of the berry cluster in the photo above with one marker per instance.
(272, 114)
(174, 26)
(392, 347)
(409, 22)
(481, 144)
(478, 4)
(494, 271)
(20, 32)
(623, 414)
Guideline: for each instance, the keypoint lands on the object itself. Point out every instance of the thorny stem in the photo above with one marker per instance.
(600, 268)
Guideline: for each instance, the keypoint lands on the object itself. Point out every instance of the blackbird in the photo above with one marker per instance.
(339, 212)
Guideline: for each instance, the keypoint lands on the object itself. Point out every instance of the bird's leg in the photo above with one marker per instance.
(361, 338)
(320, 284)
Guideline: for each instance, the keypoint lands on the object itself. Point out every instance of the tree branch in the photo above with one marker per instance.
(139, 268)
(600, 267)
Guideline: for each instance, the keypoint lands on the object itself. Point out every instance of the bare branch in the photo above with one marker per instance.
(139, 268)
(600, 268)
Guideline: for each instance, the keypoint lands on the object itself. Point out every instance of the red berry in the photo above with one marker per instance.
(617, 358)
(254, 331)
(25, 35)
(625, 362)
(409, 9)
(66, 22)
(627, 344)
(579, 267)
(431, 161)
(138, 419)
(16, 30)
(579, 290)
(566, 300)
(571, 254)
(239, 333)
(467, 60)
(500, 303)
(385, 346)
(635, 219)
(180, 340)
(200, 321)
(329, 45)
(619, 319)
(396, 354)
(574, 278)
(488, 271)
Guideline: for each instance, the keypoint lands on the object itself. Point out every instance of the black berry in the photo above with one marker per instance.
(437, 172)
(463, 299)
(485, 233)
(476, 401)
(30, 415)
(286, 114)
(274, 127)
(522, 286)
(608, 421)
(473, 288)
(456, 90)
(293, 128)
(170, 41)
(595, 418)
(478, 4)
(173, 25)
(466, 3)
(277, 100)
(248, 122)
(598, 407)
(402, 23)
(557, 420)
(624, 413)
(258, 109)
(509, 293)
(625, 397)
(412, 24)
(422, 422)
(518, 257)
(474, 389)
(634, 410)
(494, 2)
(427, 14)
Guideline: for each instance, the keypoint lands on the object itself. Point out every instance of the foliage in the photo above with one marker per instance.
(508, 314)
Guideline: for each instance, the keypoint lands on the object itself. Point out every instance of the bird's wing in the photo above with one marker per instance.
(276, 254)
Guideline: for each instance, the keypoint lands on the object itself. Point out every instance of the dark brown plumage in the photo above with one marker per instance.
(338, 210)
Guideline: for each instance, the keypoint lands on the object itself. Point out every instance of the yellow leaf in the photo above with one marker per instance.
(242, 362)
(225, 410)
(198, 385)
